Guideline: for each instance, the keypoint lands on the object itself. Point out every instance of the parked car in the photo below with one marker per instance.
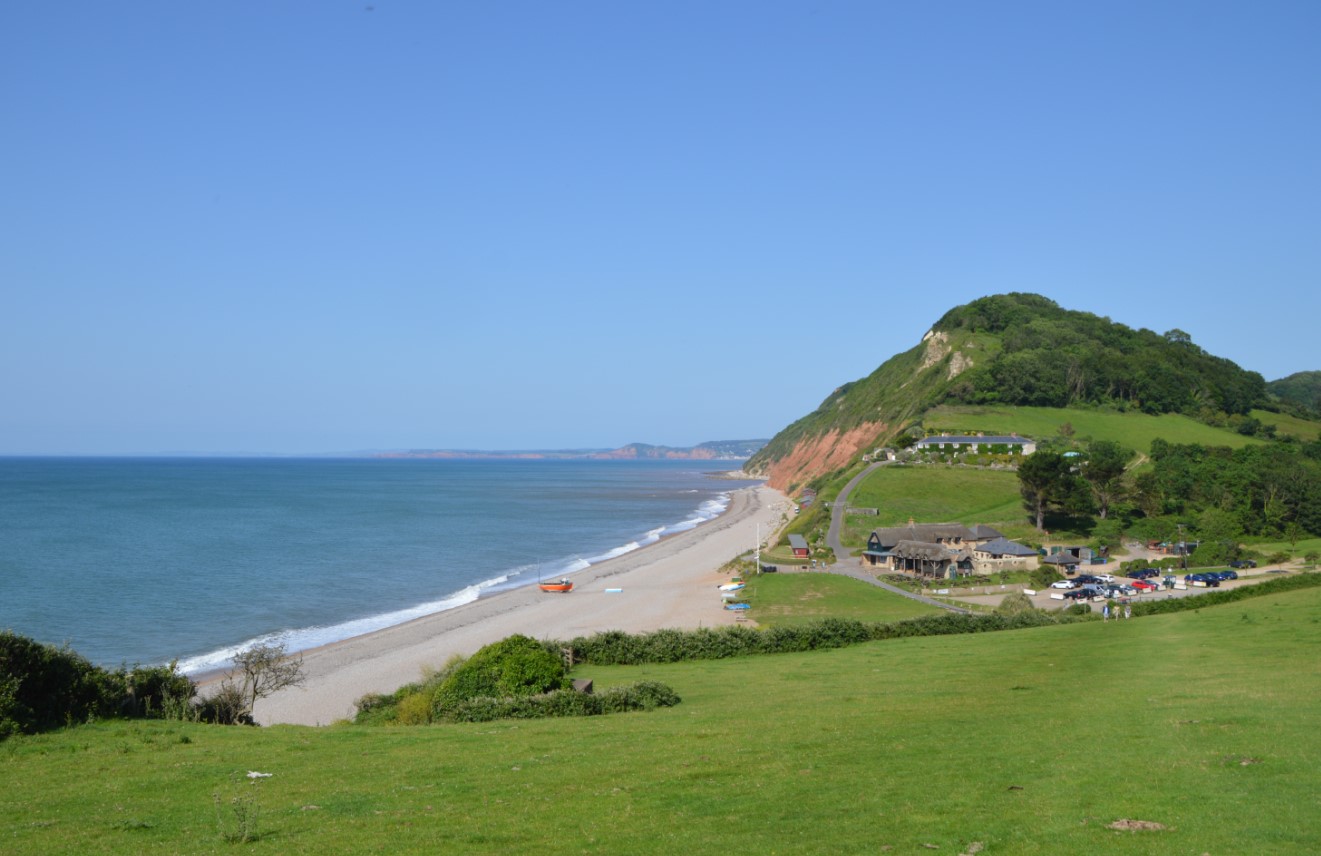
(1242, 564)
(1145, 585)
(1229, 575)
(1077, 594)
(1143, 574)
(1106, 578)
(1086, 579)
(1063, 584)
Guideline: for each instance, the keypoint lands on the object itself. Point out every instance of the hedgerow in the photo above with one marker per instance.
(644, 695)
(616, 648)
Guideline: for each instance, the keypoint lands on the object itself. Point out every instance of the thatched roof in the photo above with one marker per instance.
(922, 551)
(928, 533)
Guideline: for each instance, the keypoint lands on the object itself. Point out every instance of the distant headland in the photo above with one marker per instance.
(716, 450)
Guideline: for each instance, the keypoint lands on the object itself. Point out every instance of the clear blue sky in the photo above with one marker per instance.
(316, 226)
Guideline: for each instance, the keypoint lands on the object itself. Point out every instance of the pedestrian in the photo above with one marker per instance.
(1128, 610)
(1105, 611)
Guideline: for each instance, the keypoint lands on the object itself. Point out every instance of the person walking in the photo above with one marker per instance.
(1128, 610)
(1105, 611)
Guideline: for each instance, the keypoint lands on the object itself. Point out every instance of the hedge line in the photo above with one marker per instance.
(1293, 582)
(644, 695)
(616, 648)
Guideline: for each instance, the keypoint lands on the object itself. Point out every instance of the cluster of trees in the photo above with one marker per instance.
(1215, 494)
(1053, 357)
(1088, 483)
(1269, 490)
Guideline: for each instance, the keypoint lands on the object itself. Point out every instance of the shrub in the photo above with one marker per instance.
(44, 687)
(643, 695)
(1014, 603)
(414, 709)
(515, 666)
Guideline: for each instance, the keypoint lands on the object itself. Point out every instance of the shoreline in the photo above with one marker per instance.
(669, 583)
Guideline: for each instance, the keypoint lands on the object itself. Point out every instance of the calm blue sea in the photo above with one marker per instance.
(148, 560)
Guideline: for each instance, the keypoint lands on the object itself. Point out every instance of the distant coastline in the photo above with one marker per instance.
(720, 450)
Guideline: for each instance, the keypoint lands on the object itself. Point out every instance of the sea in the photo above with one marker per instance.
(153, 560)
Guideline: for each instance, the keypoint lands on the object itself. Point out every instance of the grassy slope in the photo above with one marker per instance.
(933, 494)
(1029, 742)
(788, 599)
(1303, 429)
(1134, 430)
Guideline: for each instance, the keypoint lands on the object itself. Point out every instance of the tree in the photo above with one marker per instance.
(258, 672)
(1044, 478)
(1104, 473)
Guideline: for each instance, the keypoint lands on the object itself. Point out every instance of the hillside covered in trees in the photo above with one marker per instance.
(1010, 349)
(1301, 389)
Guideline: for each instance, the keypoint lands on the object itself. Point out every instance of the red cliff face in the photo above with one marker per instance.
(814, 456)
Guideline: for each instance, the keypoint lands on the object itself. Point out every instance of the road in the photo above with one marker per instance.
(846, 565)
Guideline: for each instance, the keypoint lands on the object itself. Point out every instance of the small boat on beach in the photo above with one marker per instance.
(562, 585)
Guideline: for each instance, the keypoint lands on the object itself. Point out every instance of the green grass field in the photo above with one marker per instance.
(1026, 742)
(785, 599)
(933, 494)
(1303, 429)
(1134, 430)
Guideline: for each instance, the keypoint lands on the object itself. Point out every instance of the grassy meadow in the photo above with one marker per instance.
(1303, 429)
(1029, 741)
(1131, 429)
(933, 493)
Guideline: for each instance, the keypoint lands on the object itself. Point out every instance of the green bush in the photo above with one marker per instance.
(44, 687)
(1014, 603)
(515, 666)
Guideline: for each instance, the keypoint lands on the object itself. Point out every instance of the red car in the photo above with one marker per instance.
(1143, 585)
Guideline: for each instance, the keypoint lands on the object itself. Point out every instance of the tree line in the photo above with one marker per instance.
(1210, 493)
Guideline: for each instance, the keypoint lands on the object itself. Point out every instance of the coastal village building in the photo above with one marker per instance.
(799, 545)
(976, 443)
(1065, 563)
(945, 550)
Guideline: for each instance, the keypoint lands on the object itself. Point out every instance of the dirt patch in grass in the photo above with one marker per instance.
(1135, 825)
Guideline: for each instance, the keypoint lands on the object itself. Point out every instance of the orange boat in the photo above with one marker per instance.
(562, 585)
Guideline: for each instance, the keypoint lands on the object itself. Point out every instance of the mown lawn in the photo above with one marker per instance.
(787, 599)
(1134, 430)
(1025, 742)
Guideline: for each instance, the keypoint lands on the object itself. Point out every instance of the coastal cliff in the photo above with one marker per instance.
(1008, 349)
